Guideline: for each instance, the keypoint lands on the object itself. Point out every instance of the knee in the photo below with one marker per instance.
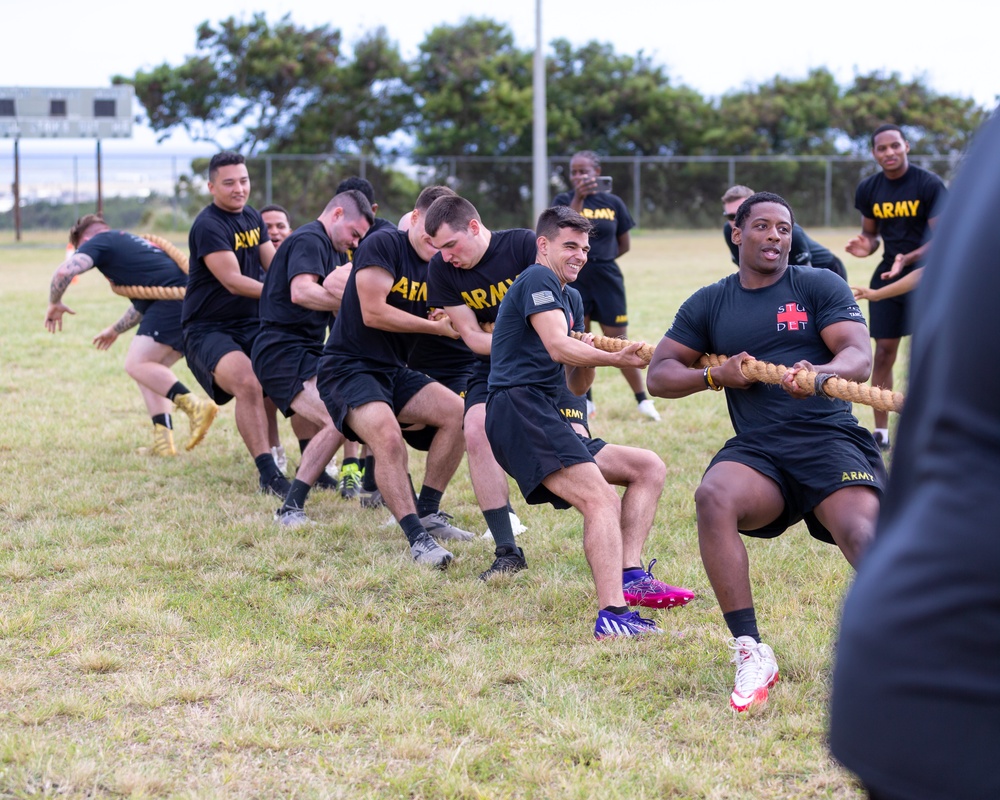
(602, 499)
(711, 502)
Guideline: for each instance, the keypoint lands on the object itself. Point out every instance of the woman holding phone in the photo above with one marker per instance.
(601, 282)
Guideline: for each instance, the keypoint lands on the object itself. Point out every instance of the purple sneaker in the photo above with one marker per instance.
(651, 593)
(628, 624)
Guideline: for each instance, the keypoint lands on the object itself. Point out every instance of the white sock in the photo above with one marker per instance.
(884, 434)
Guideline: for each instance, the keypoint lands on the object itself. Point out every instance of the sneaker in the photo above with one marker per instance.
(163, 441)
(201, 412)
(278, 486)
(630, 624)
(516, 526)
(882, 441)
(291, 518)
(651, 593)
(591, 409)
(506, 564)
(280, 459)
(332, 469)
(371, 499)
(439, 526)
(756, 672)
(426, 551)
(324, 481)
(647, 409)
(350, 481)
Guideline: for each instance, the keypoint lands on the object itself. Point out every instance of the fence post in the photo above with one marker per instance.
(636, 191)
(828, 195)
(267, 180)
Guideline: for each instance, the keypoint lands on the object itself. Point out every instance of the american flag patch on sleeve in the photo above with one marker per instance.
(542, 298)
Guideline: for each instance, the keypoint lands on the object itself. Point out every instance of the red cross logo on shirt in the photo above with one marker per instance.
(792, 317)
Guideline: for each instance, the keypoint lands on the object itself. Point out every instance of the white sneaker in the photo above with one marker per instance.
(332, 469)
(515, 525)
(278, 454)
(591, 409)
(756, 672)
(647, 409)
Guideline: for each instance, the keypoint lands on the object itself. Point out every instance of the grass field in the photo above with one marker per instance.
(161, 637)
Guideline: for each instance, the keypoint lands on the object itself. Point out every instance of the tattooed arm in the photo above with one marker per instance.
(107, 337)
(69, 269)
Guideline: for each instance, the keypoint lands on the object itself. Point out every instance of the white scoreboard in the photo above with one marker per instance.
(65, 113)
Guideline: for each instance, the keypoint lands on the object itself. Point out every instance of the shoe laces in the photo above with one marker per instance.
(749, 666)
(647, 582)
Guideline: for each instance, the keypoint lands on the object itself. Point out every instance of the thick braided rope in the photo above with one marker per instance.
(840, 388)
(170, 249)
(149, 292)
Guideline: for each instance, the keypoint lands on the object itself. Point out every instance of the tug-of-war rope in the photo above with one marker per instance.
(764, 372)
(157, 292)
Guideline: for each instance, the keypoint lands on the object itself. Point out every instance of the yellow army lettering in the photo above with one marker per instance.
(857, 476)
(571, 413)
(621, 319)
(904, 208)
(247, 239)
(479, 298)
(599, 213)
(411, 290)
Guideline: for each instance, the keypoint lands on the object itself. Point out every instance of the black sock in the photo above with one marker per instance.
(429, 501)
(590, 395)
(165, 420)
(640, 396)
(498, 521)
(176, 389)
(303, 444)
(412, 527)
(619, 610)
(368, 479)
(742, 622)
(354, 461)
(266, 466)
(296, 495)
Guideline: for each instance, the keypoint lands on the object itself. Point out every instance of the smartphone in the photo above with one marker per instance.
(604, 183)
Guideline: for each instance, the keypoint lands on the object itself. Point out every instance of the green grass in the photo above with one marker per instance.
(161, 637)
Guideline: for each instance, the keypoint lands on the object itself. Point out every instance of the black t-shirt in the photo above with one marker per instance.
(484, 286)
(519, 356)
(610, 218)
(307, 251)
(213, 231)
(915, 707)
(781, 324)
(390, 250)
(380, 224)
(129, 260)
(901, 208)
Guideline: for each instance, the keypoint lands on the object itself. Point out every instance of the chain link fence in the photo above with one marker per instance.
(662, 192)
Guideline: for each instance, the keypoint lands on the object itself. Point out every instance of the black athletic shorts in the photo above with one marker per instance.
(161, 321)
(346, 385)
(476, 390)
(283, 362)
(530, 440)
(889, 318)
(809, 462)
(602, 287)
(205, 343)
(574, 409)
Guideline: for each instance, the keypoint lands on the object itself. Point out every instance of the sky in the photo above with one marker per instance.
(711, 47)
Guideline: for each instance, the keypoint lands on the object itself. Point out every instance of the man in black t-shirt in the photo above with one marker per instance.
(127, 260)
(805, 252)
(915, 707)
(229, 247)
(535, 444)
(468, 278)
(900, 205)
(369, 391)
(296, 305)
(795, 455)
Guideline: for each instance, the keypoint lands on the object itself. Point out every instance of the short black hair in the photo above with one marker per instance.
(224, 159)
(354, 203)
(280, 209)
(887, 127)
(429, 194)
(760, 197)
(360, 184)
(451, 210)
(554, 219)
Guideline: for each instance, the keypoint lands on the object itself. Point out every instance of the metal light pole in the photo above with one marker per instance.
(540, 158)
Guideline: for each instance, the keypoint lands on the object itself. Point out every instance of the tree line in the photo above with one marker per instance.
(283, 89)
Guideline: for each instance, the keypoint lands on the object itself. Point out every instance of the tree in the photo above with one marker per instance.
(246, 79)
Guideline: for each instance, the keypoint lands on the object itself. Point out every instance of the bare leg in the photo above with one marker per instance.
(234, 375)
(882, 364)
(489, 481)
(324, 443)
(376, 424)
(850, 515)
(642, 473)
(439, 406)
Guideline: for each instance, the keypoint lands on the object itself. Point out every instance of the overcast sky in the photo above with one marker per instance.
(712, 47)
